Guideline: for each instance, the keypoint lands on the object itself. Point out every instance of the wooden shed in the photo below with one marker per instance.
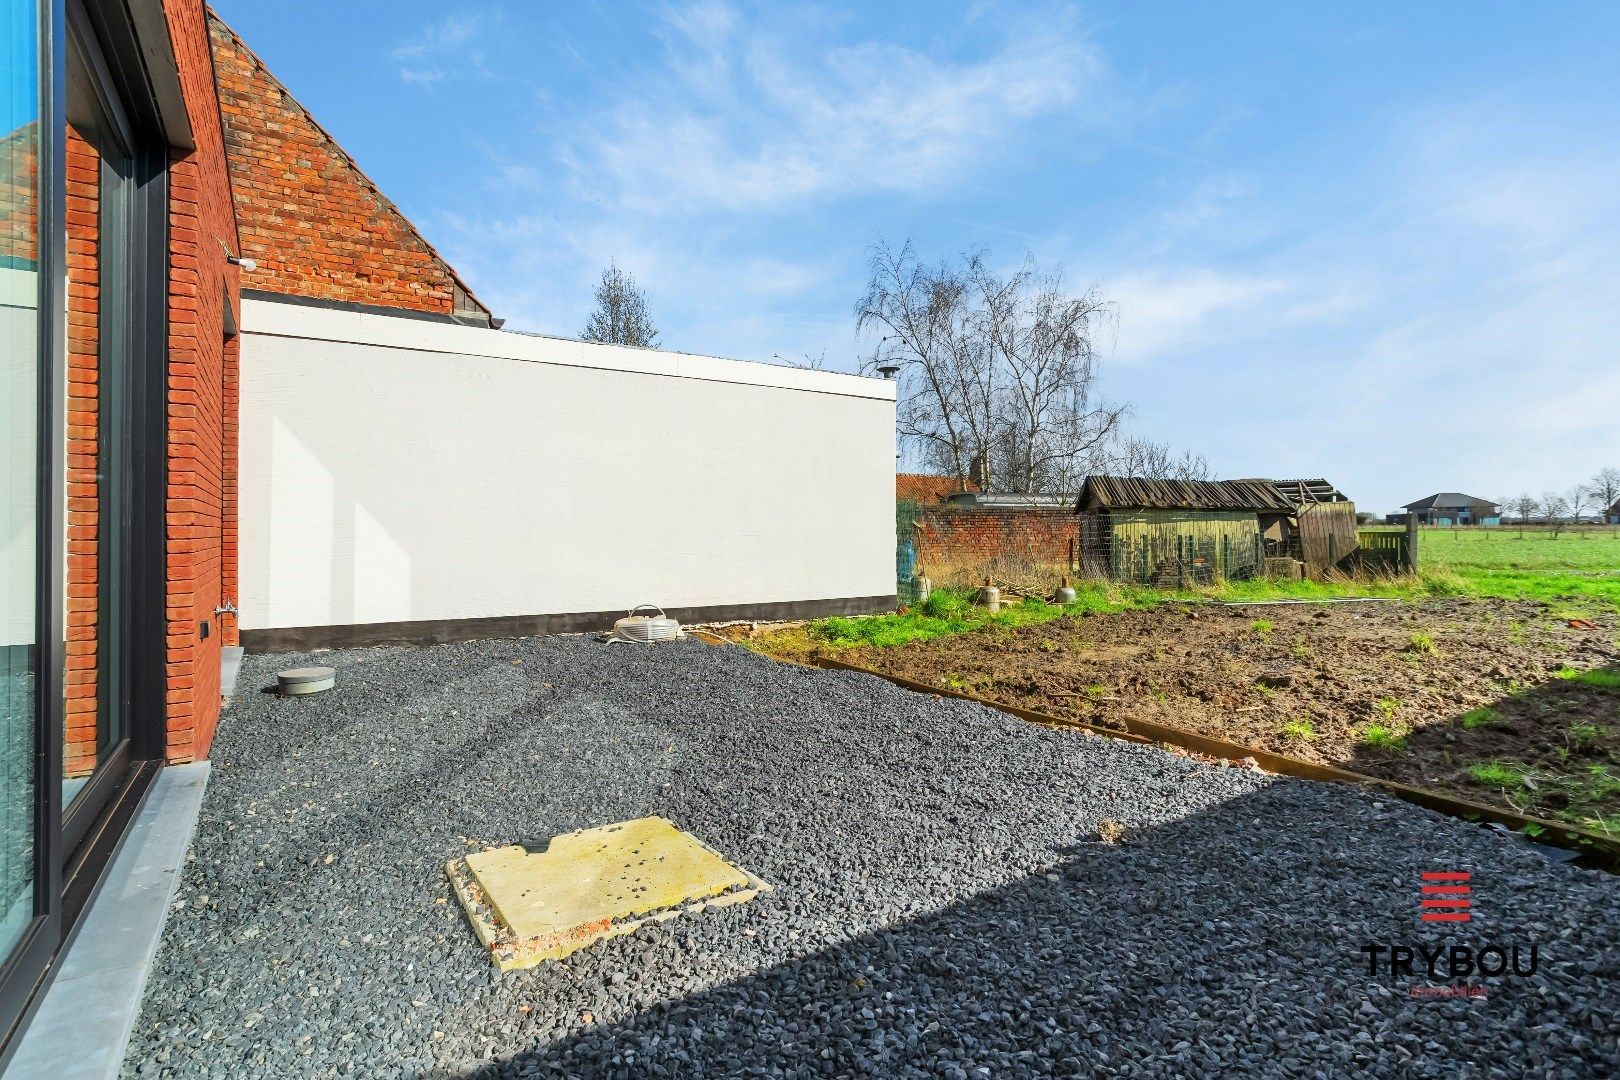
(1325, 522)
(1186, 532)
(1178, 532)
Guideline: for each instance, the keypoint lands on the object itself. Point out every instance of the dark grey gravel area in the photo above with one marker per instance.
(942, 905)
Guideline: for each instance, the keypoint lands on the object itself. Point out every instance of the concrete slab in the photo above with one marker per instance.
(83, 1024)
(531, 906)
(230, 664)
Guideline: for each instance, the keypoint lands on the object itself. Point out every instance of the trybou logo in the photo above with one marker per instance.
(1446, 896)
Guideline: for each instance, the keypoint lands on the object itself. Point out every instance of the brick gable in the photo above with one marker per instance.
(315, 224)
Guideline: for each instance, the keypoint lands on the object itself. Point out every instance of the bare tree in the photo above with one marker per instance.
(1525, 506)
(1144, 457)
(1579, 499)
(621, 316)
(1555, 511)
(1605, 488)
(996, 371)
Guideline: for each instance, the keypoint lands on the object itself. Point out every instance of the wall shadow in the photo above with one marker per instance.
(1225, 941)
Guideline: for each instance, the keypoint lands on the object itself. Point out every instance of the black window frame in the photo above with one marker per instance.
(69, 874)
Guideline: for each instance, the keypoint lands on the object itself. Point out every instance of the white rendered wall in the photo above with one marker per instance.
(395, 469)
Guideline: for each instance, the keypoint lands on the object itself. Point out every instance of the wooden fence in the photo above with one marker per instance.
(1386, 550)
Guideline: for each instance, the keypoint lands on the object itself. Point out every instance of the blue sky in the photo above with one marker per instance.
(1377, 242)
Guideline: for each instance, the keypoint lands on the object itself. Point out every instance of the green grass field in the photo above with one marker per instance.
(1587, 550)
(1529, 564)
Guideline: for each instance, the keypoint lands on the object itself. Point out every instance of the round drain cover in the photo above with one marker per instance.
(306, 680)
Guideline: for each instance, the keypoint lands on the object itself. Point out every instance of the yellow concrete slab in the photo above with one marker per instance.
(531, 906)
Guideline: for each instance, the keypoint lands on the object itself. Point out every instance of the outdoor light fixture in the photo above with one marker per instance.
(888, 369)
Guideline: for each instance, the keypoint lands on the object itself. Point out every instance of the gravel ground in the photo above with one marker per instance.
(943, 904)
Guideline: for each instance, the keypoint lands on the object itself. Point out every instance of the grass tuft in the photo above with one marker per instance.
(1300, 730)
(1484, 716)
(1597, 678)
(1380, 737)
(1499, 774)
(1422, 644)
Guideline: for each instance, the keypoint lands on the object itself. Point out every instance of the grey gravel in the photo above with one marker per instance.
(943, 905)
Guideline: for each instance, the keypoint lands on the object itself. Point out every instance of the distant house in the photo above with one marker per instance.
(1172, 532)
(926, 489)
(1612, 515)
(1452, 508)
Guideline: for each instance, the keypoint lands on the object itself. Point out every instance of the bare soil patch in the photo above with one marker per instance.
(1465, 696)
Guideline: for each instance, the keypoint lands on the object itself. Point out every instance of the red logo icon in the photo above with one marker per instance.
(1445, 896)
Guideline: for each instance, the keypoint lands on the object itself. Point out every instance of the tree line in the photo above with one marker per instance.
(1592, 498)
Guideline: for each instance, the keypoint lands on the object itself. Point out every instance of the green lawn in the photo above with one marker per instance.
(1530, 565)
(1589, 550)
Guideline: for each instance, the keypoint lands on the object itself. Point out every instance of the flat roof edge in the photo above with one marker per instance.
(280, 318)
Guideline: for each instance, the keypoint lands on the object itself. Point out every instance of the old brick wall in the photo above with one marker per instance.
(959, 537)
(203, 286)
(317, 226)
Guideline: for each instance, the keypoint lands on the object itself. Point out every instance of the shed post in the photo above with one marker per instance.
(1409, 551)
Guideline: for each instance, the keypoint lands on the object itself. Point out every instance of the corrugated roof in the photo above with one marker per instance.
(1141, 493)
(1447, 499)
(998, 500)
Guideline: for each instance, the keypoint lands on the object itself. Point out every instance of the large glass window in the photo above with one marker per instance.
(20, 461)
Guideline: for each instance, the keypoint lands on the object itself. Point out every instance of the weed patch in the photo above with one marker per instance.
(1597, 678)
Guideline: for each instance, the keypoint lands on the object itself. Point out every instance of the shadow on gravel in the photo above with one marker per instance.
(1224, 942)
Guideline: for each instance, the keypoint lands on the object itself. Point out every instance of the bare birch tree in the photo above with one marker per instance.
(998, 373)
(1157, 461)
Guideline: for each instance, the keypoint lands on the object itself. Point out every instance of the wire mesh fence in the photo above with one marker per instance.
(1169, 552)
(907, 587)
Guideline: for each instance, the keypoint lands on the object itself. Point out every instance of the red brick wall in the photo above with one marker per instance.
(316, 225)
(959, 536)
(202, 225)
(83, 196)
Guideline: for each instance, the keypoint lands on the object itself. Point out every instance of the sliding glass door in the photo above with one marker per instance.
(83, 288)
(21, 459)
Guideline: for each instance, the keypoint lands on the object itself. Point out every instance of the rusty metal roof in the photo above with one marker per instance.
(1141, 493)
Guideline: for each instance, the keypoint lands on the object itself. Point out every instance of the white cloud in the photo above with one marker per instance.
(443, 50)
(1451, 327)
(1161, 311)
(742, 115)
(687, 166)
